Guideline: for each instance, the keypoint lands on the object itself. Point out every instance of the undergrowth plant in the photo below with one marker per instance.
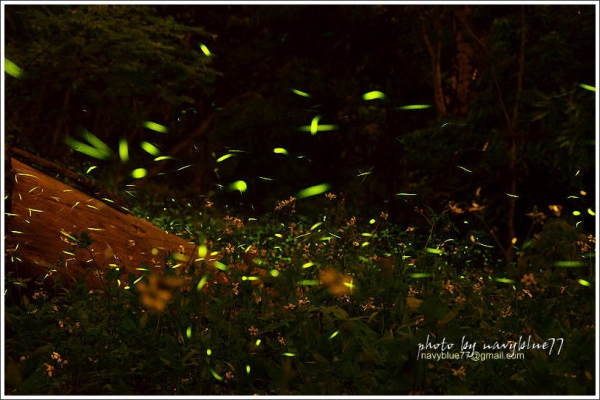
(334, 305)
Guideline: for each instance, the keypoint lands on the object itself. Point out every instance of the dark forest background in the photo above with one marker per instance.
(399, 108)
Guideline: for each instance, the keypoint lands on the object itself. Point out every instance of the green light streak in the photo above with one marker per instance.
(202, 282)
(205, 50)
(12, 69)
(240, 186)
(420, 275)
(313, 191)
(434, 251)
(581, 85)
(150, 148)
(153, 126)
(376, 94)
(406, 194)
(320, 128)
(415, 107)
(314, 125)
(225, 157)
(300, 93)
(139, 173)
(123, 150)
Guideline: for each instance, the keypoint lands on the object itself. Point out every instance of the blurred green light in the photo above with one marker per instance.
(12, 69)
(205, 50)
(123, 150)
(313, 191)
(88, 150)
(225, 157)
(301, 93)
(314, 125)
(138, 173)
(240, 186)
(373, 95)
(420, 275)
(150, 148)
(406, 194)
(415, 107)
(153, 126)
(202, 282)
(587, 87)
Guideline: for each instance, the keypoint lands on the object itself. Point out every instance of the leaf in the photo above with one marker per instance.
(434, 307)
(413, 303)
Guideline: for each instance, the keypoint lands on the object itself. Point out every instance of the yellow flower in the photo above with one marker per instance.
(461, 372)
(56, 356)
(448, 286)
(158, 291)
(529, 279)
(475, 207)
(336, 283)
(49, 369)
(281, 339)
(506, 313)
(455, 209)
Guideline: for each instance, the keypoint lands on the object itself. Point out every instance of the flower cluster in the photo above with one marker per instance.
(158, 291)
(291, 203)
(232, 223)
(58, 360)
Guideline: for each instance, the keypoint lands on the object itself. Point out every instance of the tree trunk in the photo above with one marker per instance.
(463, 78)
(435, 53)
(47, 214)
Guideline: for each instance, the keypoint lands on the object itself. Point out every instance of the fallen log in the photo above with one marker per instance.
(46, 216)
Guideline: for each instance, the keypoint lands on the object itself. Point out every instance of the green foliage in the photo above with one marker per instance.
(96, 67)
(303, 306)
(311, 299)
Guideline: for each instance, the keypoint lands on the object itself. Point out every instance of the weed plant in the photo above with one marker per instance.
(327, 306)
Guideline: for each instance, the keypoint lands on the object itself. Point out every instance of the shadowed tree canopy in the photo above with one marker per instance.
(101, 68)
